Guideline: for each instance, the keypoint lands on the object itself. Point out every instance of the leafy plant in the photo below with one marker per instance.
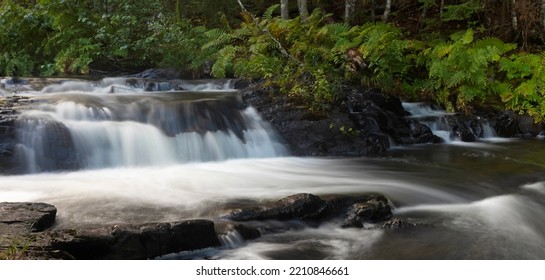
(525, 92)
(462, 70)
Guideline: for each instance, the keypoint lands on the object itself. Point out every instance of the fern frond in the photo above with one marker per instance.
(268, 14)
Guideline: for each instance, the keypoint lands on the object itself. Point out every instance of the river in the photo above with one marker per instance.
(138, 157)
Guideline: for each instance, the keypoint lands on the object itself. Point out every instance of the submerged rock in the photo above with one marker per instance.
(397, 223)
(356, 210)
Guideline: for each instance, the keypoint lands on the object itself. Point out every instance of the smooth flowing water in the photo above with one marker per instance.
(163, 156)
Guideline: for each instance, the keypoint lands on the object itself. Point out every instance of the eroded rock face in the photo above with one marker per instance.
(21, 218)
(129, 242)
(299, 206)
(355, 210)
(361, 125)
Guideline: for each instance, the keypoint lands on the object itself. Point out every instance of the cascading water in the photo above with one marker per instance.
(442, 125)
(81, 125)
(131, 154)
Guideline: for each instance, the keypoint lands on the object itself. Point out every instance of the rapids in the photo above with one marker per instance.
(108, 152)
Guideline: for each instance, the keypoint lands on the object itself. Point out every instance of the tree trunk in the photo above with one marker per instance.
(514, 19)
(284, 9)
(349, 10)
(387, 10)
(441, 7)
(303, 10)
(373, 9)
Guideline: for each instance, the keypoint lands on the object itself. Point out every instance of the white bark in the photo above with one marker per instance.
(303, 10)
(387, 10)
(349, 10)
(514, 18)
(284, 9)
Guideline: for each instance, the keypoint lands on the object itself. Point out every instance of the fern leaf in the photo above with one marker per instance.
(268, 15)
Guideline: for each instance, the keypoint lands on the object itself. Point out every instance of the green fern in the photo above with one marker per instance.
(269, 13)
(526, 76)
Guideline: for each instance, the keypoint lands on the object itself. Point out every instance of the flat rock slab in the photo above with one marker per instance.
(22, 218)
(132, 242)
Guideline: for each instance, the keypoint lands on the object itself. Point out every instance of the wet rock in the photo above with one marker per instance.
(370, 209)
(354, 127)
(134, 241)
(397, 223)
(355, 209)
(8, 115)
(158, 73)
(299, 206)
(22, 218)
(421, 133)
(55, 148)
(247, 232)
(510, 124)
(461, 129)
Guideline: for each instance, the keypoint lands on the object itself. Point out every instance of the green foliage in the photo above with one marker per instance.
(462, 70)
(383, 48)
(525, 92)
(15, 249)
(23, 33)
(293, 55)
(463, 11)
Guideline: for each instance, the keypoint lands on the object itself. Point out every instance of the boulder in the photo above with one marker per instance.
(397, 223)
(369, 209)
(22, 218)
(129, 242)
(302, 206)
(307, 207)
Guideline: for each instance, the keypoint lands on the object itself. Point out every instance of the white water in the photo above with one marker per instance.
(138, 168)
(148, 129)
(436, 120)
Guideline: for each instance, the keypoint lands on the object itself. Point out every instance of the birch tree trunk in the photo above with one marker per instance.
(387, 10)
(284, 9)
(349, 10)
(514, 18)
(303, 10)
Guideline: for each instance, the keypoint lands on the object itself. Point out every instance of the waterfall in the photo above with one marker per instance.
(87, 125)
(451, 129)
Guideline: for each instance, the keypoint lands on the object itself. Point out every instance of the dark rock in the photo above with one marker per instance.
(527, 126)
(300, 206)
(158, 73)
(247, 232)
(134, 241)
(21, 218)
(460, 128)
(355, 127)
(510, 124)
(397, 223)
(55, 149)
(8, 116)
(369, 209)
(356, 210)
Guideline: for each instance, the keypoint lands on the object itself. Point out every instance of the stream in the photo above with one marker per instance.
(105, 153)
